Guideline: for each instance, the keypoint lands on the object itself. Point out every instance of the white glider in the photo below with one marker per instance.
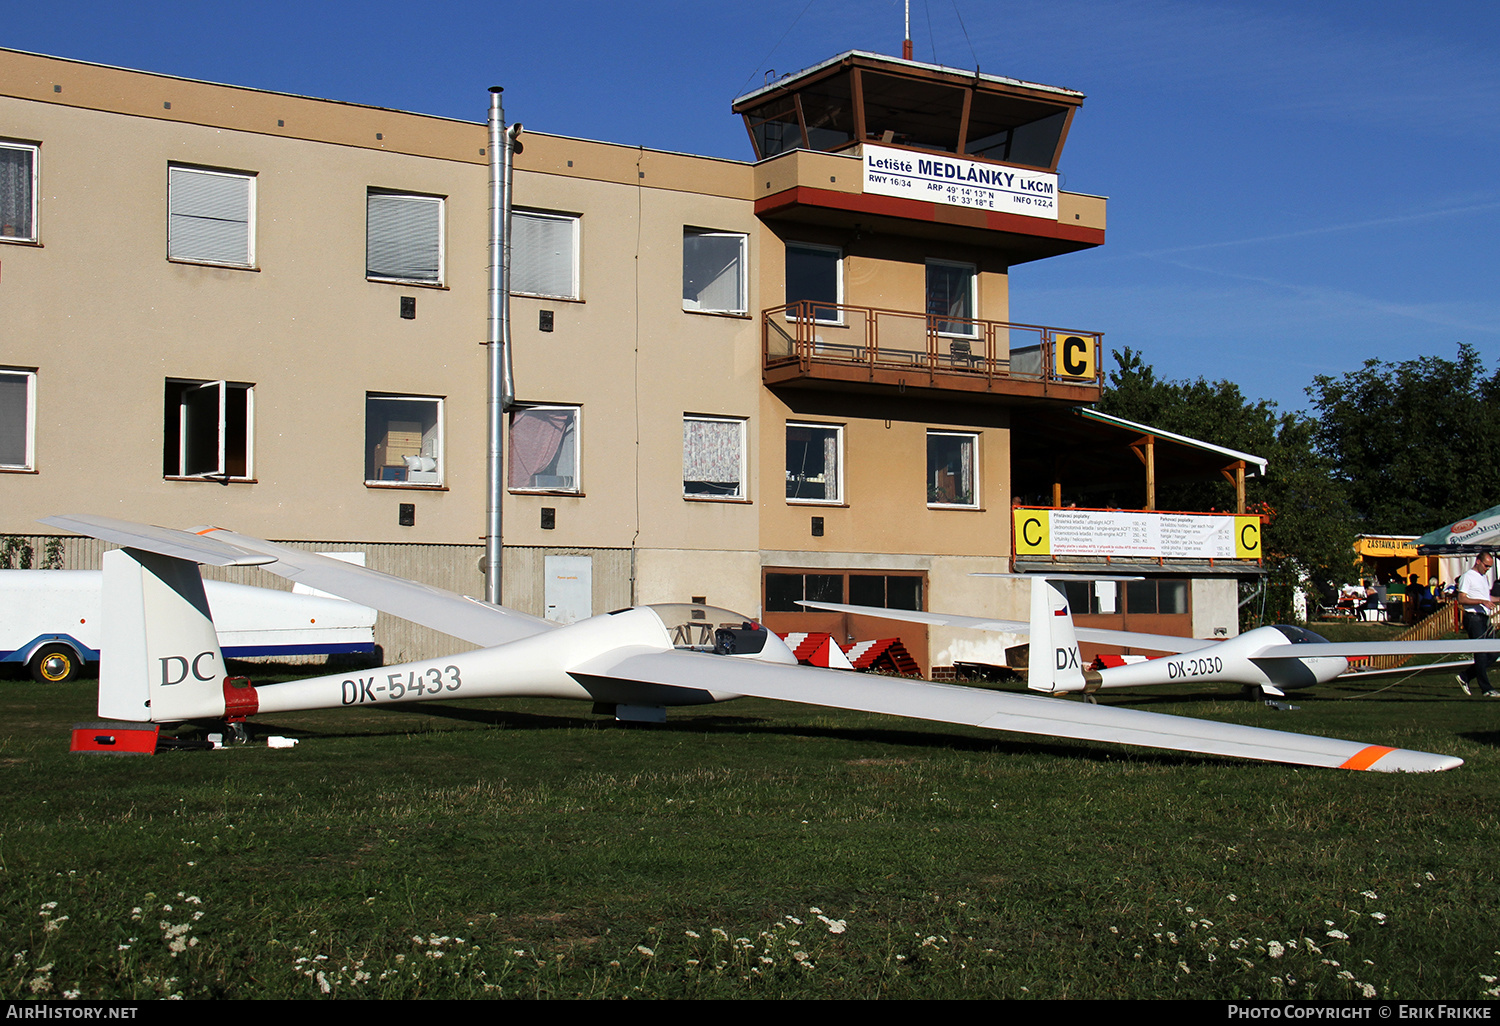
(163, 662)
(1272, 659)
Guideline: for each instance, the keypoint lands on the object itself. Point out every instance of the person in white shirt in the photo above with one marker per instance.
(1473, 596)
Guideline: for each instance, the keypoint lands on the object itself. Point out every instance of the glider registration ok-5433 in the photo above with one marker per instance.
(639, 660)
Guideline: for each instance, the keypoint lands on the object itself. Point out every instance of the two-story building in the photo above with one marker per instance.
(739, 382)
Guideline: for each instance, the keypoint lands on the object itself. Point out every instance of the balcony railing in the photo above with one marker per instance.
(835, 342)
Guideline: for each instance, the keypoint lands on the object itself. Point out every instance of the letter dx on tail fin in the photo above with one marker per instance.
(161, 660)
(1054, 663)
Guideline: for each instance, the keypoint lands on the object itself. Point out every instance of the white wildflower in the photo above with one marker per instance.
(644, 950)
(1338, 935)
(1275, 950)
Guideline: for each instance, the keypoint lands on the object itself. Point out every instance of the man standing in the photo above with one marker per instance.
(1473, 595)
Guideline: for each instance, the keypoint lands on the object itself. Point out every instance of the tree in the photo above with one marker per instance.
(1309, 530)
(1416, 444)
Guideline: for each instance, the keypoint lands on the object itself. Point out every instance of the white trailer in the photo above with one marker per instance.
(50, 621)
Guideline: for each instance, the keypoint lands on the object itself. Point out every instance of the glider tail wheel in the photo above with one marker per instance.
(54, 664)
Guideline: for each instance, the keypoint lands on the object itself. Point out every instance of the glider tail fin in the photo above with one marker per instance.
(1054, 664)
(161, 660)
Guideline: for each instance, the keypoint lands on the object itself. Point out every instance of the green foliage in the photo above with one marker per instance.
(1309, 529)
(15, 553)
(1416, 444)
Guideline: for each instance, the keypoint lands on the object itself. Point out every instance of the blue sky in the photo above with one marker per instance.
(1294, 187)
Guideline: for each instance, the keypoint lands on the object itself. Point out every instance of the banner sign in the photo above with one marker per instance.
(959, 182)
(1081, 532)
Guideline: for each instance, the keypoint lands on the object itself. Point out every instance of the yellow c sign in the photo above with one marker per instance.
(1075, 356)
(1247, 538)
(1033, 534)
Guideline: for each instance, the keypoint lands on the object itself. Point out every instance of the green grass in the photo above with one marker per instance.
(525, 849)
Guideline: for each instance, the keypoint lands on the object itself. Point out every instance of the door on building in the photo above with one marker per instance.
(569, 588)
(890, 589)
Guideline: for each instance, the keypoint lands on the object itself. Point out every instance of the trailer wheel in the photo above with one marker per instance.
(54, 664)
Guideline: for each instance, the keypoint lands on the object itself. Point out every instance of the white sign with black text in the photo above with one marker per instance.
(959, 182)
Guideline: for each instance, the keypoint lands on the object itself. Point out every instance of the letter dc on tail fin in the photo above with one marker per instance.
(163, 659)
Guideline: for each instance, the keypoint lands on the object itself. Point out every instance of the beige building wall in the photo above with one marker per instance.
(105, 319)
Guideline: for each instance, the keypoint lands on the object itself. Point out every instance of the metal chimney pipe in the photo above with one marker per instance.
(498, 399)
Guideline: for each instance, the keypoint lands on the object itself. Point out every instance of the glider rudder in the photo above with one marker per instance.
(161, 660)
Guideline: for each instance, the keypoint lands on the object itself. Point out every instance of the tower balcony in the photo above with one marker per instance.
(812, 344)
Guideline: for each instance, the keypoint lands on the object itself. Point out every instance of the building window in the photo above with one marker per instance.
(211, 217)
(815, 277)
(814, 454)
(952, 464)
(785, 589)
(18, 192)
(404, 238)
(950, 298)
(887, 591)
(713, 271)
(544, 254)
(544, 449)
(1157, 596)
(403, 439)
(17, 419)
(713, 457)
(207, 430)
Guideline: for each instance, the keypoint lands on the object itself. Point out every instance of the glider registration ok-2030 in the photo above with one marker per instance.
(163, 664)
(1272, 660)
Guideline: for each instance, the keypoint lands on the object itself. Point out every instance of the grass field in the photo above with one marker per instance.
(524, 849)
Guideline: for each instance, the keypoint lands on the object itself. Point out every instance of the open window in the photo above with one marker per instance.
(713, 271)
(713, 457)
(952, 469)
(211, 217)
(403, 440)
(544, 254)
(544, 449)
(18, 171)
(815, 278)
(17, 419)
(404, 238)
(207, 430)
(814, 461)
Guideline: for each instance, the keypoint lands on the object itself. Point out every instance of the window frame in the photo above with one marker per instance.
(249, 178)
(220, 473)
(575, 221)
(576, 488)
(838, 429)
(29, 464)
(933, 320)
(440, 428)
(743, 261)
(36, 176)
(973, 470)
(838, 287)
(742, 493)
(442, 237)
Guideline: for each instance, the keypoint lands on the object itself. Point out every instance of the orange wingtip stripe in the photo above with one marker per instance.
(1367, 757)
(207, 530)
